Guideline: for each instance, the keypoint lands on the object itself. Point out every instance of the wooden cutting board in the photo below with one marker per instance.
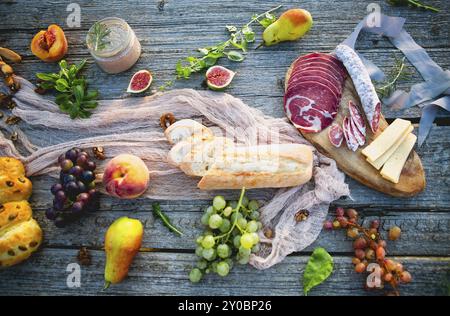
(412, 179)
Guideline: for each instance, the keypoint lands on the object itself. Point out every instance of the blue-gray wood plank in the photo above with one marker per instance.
(176, 31)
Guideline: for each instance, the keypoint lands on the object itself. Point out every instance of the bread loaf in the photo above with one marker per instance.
(20, 234)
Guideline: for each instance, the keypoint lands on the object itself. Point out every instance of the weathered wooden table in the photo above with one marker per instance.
(171, 31)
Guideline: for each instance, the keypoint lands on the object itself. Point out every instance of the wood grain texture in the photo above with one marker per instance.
(166, 273)
(176, 32)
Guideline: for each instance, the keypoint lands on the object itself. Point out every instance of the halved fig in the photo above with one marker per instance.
(218, 77)
(140, 81)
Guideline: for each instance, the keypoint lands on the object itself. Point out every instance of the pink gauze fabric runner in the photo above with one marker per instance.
(132, 126)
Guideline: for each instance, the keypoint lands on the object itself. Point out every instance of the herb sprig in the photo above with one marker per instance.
(165, 219)
(97, 36)
(398, 72)
(413, 3)
(234, 48)
(73, 96)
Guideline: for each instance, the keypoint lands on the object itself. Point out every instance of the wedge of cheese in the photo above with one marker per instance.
(377, 164)
(394, 165)
(386, 139)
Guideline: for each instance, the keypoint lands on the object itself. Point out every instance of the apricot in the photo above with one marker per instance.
(50, 45)
(290, 26)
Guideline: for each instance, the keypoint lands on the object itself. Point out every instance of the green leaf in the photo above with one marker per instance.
(81, 64)
(91, 95)
(318, 269)
(249, 35)
(78, 92)
(204, 51)
(47, 77)
(234, 55)
(90, 104)
(231, 28)
(166, 220)
(268, 19)
(62, 98)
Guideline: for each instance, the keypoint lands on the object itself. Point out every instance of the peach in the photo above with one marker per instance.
(126, 177)
(50, 45)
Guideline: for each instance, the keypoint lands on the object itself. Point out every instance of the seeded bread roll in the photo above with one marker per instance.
(13, 213)
(19, 242)
(14, 186)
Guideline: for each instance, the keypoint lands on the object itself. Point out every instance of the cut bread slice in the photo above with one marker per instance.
(183, 129)
(265, 166)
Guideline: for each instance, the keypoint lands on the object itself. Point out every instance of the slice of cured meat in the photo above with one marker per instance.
(336, 89)
(319, 73)
(310, 106)
(331, 88)
(361, 79)
(357, 117)
(327, 66)
(321, 57)
(360, 138)
(352, 143)
(336, 135)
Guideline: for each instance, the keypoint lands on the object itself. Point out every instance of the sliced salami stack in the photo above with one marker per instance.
(314, 91)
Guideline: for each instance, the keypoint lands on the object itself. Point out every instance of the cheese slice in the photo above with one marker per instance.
(393, 167)
(377, 164)
(386, 139)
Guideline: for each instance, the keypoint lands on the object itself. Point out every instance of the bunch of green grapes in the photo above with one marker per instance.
(231, 235)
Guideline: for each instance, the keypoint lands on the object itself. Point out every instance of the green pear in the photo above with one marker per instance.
(290, 26)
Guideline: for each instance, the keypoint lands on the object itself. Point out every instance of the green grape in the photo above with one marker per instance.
(223, 268)
(195, 275)
(251, 227)
(242, 222)
(199, 240)
(199, 251)
(237, 241)
(244, 201)
(215, 221)
(207, 271)
(254, 215)
(246, 241)
(253, 205)
(210, 210)
(243, 259)
(260, 225)
(227, 211)
(209, 254)
(255, 238)
(236, 216)
(208, 242)
(256, 248)
(230, 262)
(232, 204)
(244, 251)
(225, 226)
(214, 267)
(219, 202)
(202, 264)
(205, 219)
(223, 251)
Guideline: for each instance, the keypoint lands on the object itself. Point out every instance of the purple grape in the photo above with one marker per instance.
(87, 176)
(51, 213)
(72, 155)
(83, 153)
(82, 160)
(83, 197)
(69, 178)
(55, 188)
(91, 185)
(61, 196)
(76, 171)
(90, 165)
(78, 150)
(77, 207)
(62, 175)
(81, 187)
(61, 158)
(71, 188)
(66, 165)
(58, 205)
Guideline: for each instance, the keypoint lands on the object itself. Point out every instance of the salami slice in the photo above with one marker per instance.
(336, 135)
(357, 117)
(360, 138)
(352, 143)
(310, 106)
(361, 79)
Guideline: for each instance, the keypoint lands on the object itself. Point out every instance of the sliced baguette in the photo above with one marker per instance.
(183, 129)
(263, 166)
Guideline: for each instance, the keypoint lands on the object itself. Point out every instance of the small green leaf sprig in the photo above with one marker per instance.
(318, 269)
(73, 96)
(234, 48)
(399, 71)
(97, 36)
(165, 219)
(413, 3)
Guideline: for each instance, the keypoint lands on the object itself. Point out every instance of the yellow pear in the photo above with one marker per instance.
(290, 26)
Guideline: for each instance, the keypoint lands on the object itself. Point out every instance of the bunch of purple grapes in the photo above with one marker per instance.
(75, 192)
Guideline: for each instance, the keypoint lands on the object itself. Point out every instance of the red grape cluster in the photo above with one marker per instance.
(75, 192)
(369, 246)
